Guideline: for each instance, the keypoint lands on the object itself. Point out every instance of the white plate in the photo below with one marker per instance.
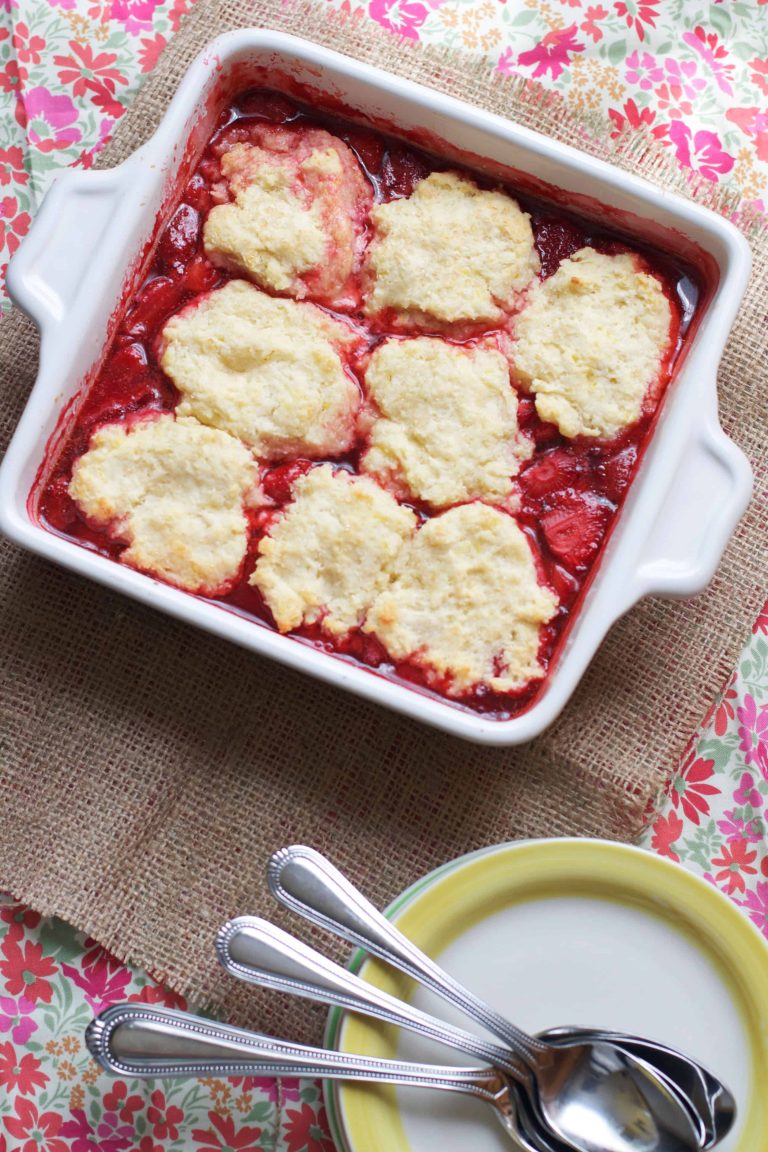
(566, 932)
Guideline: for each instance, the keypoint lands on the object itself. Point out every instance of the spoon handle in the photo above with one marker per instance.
(304, 881)
(261, 953)
(138, 1040)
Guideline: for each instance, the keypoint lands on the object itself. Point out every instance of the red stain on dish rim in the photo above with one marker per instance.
(570, 492)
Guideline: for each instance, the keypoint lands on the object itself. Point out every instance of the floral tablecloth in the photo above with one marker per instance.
(697, 75)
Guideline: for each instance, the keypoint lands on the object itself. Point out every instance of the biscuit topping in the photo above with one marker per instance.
(175, 492)
(266, 370)
(591, 343)
(331, 551)
(449, 253)
(447, 429)
(465, 602)
(297, 221)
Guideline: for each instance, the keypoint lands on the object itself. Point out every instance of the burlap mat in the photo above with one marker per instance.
(149, 769)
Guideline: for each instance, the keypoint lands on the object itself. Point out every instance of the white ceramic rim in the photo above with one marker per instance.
(665, 542)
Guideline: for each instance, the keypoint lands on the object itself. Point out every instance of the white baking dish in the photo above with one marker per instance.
(90, 241)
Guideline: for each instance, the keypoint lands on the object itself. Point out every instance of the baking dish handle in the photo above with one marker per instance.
(701, 506)
(45, 277)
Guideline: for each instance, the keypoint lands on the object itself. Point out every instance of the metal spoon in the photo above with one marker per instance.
(138, 1040)
(644, 1107)
(260, 953)
(711, 1100)
(563, 1077)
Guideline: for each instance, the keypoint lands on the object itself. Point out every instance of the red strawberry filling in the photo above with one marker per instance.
(569, 491)
(574, 527)
(559, 468)
(277, 482)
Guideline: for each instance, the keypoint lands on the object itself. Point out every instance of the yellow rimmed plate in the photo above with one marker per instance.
(555, 932)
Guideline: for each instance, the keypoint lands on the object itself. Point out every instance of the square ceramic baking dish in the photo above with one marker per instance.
(92, 239)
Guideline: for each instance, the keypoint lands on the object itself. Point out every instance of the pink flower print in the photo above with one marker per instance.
(682, 79)
(28, 48)
(157, 994)
(286, 1088)
(631, 117)
(690, 789)
(722, 711)
(735, 863)
(756, 905)
(49, 119)
(15, 1018)
(736, 828)
(666, 831)
(761, 623)
(87, 156)
(760, 73)
(306, 1129)
(80, 1132)
(225, 1136)
(702, 152)
(753, 733)
(33, 1130)
(643, 70)
(754, 122)
(590, 25)
(713, 53)
(113, 1136)
(164, 1118)
(637, 13)
(118, 1100)
(135, 15)
(17, 916)
(103, 982)
(401, 16)
(506, 63)
(552, 53)
(746, 793)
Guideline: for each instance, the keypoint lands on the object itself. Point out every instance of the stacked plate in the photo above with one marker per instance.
(565, 932)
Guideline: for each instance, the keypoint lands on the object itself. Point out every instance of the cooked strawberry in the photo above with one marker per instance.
(556, 240)
(574, 525)
(58, 507)
(368, 148)
(401, 171)
(277, 483)
(564, 584)
(197, 193)
(178, 242)
(266, 106)
(125, 365)
(531, 423)
(552, 472)
(200, 275)
(155, 303)
(526, 411)
(126, 384)
(240, 132)
(616, 472)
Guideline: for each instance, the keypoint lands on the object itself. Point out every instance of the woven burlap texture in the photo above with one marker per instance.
(148, 770)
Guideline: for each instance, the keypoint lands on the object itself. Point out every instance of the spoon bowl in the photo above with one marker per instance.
(712, 1102)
